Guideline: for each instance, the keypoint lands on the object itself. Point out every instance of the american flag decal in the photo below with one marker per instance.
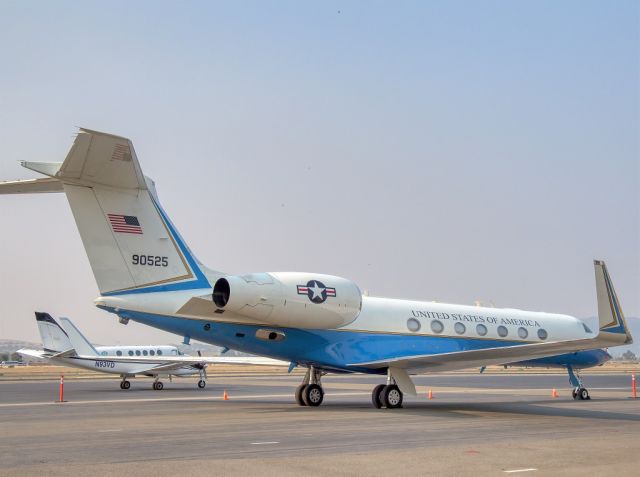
(126, 224)
(121, 153)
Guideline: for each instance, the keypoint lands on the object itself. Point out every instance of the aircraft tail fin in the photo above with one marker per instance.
(132, 245)
(54, 338)
(612, 323)
(80, 343)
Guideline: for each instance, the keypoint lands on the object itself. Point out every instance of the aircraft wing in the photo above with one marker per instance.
(166, 364)
(613, 331)
(186, 360)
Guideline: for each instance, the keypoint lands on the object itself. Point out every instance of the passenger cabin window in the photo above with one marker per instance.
(460, 328)
(159, 352)
(437, 326)
(137, 352)
(119, 353)
(542, 334)
(413, 325)
(130, 353)
(502, 331)
(523, 333)
(152, 353)
(144, 352)
(481, 329)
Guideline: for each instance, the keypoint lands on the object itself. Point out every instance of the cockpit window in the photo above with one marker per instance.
(586, 328)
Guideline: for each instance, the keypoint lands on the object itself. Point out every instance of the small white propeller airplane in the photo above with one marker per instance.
(66, 345)
(145, 272)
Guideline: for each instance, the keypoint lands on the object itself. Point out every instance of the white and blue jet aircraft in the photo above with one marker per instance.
(145, 272)
(66, 345)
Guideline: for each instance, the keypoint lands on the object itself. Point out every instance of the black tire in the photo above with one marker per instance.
(313, 395)
(202, 384)
(121, 385)
(392, 396)
(375, 396)
(125, 385)
(299, 395)
(584, 394)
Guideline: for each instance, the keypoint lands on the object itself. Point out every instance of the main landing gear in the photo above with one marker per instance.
(310, 392)
(579, 392)
(203, 378)
(124, 384)
(157, 384)
(387, 395)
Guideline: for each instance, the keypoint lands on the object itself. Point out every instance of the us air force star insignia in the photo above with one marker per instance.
(316, 291)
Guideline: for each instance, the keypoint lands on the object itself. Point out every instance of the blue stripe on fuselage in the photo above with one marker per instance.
(330, 349)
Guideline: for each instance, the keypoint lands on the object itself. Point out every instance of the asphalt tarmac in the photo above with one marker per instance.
(474, 425)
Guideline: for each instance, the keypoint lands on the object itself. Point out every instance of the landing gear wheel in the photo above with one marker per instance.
(202, 384)
(392, 396)
(313, 395)
(583, 394)
(157, 385)
(574, 393)
(299, 395)
(125, 384)
(375, 396)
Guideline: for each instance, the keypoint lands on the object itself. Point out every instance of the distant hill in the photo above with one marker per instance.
(11, 346)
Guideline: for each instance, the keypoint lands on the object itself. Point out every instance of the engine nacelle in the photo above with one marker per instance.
(290, 299)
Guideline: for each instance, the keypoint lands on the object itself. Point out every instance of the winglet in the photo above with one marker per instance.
(611, 320)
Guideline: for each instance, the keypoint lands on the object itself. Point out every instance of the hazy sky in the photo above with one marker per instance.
(448, 151)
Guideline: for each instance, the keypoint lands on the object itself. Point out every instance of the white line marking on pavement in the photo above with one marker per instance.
(519, 470)
(158, 399)
(264, 443)
(110, 430)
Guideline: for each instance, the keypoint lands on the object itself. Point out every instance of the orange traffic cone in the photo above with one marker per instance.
(430, 394)
(225, 396)
(554, 393)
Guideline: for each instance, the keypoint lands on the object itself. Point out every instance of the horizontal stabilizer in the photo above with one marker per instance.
(31, 186)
